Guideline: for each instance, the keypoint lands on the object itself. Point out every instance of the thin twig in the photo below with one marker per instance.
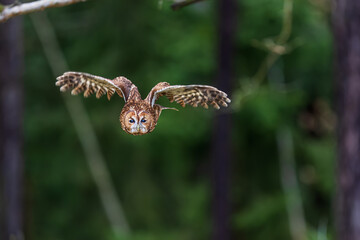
(178, 5)
(276, 47)
(287, 22)
(25, 8)
(83, 127)
(281, 40)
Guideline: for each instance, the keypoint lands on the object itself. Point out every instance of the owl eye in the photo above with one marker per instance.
(143, 120)
(131, 120)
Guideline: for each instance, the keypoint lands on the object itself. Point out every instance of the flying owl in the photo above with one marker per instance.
(138, 116)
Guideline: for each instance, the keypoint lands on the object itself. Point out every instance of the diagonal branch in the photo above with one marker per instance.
(25, 8)
(178, 5)
(275, 47)
(97, 165)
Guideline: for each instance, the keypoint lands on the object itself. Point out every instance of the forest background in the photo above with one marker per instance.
(282, 139)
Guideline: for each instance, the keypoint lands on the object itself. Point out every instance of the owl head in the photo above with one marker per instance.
(137, 122)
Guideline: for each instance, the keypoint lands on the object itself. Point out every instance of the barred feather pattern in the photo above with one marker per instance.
(87, 83)
(193, 95)
(139, 117)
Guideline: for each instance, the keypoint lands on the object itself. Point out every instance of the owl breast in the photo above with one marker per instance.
(137, 118)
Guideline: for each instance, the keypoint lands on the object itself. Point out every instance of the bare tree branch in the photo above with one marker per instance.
(177, 5)
(25, 8)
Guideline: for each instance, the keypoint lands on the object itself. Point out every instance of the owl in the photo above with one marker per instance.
(138, 116)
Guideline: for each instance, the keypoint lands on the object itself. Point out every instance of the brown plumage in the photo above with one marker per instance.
(139, 116)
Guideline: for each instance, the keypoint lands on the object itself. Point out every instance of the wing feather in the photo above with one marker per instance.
(193, 95)
(91, 84)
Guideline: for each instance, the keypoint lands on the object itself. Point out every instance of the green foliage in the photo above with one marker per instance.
(163, 179)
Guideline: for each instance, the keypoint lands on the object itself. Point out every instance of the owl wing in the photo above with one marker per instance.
(89, 84)
(190, 94)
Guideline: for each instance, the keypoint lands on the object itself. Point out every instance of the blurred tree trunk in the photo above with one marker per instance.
(346, 20)
(222, 127)
(11, 136)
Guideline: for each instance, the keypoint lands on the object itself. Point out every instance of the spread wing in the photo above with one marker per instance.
(90, 84)
(190, 94)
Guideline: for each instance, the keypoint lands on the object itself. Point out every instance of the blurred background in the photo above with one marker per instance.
(268, 173)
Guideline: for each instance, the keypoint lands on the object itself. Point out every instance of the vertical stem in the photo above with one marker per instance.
(11, 136)
(346, 21)
(222, 126)
(290, 184)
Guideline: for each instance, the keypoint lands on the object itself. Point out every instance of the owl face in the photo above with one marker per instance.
(137, 122)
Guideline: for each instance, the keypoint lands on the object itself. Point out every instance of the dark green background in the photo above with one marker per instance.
(163, 178)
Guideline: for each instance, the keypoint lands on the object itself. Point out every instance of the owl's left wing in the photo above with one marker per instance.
(190, 94)
(89, 84)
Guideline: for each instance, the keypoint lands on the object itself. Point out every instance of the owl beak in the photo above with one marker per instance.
(138, 128)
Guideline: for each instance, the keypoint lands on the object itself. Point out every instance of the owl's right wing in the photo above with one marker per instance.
(189, 94)
(89, 84)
